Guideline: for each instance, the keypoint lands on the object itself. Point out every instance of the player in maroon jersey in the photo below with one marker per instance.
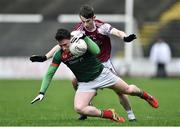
(99, 32)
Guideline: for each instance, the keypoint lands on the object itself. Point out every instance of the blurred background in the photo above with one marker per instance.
(28, 27)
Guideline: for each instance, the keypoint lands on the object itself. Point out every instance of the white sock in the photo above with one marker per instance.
(131, 115)
(129, 111)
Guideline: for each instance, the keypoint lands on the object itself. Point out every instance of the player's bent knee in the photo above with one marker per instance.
(79, 109)
(130, 89)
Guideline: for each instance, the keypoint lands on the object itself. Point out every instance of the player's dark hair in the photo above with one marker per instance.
(62, 34)
(86, 11)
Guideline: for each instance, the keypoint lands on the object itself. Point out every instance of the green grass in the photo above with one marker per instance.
(57, 107)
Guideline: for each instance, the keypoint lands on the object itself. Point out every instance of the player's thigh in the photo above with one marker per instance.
(120, 87)
(83, 99)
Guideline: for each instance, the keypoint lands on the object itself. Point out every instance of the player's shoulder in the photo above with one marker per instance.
(103, 28)
(58, 51)
(102, 25)
(57, 55)
(99, 22)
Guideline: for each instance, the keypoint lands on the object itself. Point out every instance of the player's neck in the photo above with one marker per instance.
(91, 29)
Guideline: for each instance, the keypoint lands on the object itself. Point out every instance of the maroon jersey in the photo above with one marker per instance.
(101, 36)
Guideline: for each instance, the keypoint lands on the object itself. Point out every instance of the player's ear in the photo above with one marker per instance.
(94, 17)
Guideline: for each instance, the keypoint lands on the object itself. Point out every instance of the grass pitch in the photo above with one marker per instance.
(57, 106)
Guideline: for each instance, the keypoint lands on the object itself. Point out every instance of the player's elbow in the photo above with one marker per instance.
(96, 50)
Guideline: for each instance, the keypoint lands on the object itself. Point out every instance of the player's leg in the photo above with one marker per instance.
(124, 101)
(122, 87)
(81, 106)
(87, 90)
(75, 86)
(126, 105)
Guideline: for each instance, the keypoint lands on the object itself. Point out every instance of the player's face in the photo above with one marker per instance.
(64, 44)
(88, 23)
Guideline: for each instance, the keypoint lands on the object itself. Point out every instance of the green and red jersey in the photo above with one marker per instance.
(86, 67)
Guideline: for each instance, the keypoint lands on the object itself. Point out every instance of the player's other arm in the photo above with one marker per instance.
(52, 51)
(48, 77)
(123, 35)
(92, 46)
(42, 58)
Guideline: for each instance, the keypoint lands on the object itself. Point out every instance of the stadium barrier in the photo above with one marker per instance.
(22, 68)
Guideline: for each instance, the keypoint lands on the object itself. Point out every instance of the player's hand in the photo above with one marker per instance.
(76, 35)
(38, 98)
(130, 38)
(36, 58)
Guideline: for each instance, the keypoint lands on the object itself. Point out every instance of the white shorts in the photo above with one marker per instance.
(105, 79)
(109, 65)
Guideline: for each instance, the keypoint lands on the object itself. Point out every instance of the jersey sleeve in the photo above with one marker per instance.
(105, 29)
(92, 46)
(50, 72)
(56, 58)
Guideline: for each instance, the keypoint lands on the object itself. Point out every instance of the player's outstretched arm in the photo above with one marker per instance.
(123, 35)
(42, 58)
(48, 77)
(45, 83)
(52, 51)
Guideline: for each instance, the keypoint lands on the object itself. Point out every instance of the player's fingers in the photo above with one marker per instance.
(36, 99)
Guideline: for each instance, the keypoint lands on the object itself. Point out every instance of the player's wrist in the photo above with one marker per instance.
(44, 57)
(83, 36)
(41, 93)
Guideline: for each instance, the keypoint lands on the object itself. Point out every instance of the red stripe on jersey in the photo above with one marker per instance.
(54, 64)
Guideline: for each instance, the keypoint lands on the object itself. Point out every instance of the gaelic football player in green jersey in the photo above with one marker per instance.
(91, 76)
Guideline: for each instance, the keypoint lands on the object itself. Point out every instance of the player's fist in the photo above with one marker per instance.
(130, 38)
(38, 98)
(36, 58)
